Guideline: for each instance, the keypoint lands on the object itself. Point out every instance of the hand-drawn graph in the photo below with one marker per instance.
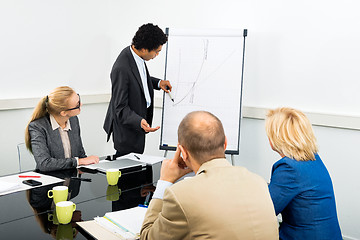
(206, 74)
(187, 88)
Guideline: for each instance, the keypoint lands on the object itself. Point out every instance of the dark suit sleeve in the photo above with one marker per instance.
(283, 186)
(155, 82)
(120, 81)
(41, 152)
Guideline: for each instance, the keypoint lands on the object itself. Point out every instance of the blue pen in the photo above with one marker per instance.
(147, 199)
(144, 206)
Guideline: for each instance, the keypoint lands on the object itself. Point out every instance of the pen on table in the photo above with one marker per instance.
(81, 179)
(136, 157)
(147, 199)
(26, 176)
(172, 99)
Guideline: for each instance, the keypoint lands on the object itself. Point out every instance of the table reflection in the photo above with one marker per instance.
(34, 211)
(44, 207)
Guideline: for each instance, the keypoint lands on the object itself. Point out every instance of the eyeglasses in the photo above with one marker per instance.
(77, 106)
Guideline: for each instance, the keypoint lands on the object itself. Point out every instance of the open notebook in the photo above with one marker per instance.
(124, 224)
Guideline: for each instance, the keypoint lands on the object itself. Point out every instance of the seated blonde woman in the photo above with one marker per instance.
(53, 133)
(300, 186)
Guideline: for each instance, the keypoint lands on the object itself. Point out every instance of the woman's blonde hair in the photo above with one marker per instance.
(290, 133)
(54, 103)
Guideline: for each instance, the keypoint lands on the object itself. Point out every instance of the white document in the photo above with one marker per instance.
(100, 232)
(126, 223)
(111, 227)
(149, 160)
(15, 182)
(8, 186)
(123, 163)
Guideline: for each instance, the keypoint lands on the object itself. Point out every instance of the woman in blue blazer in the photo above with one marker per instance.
(300, 186)
(53, 133)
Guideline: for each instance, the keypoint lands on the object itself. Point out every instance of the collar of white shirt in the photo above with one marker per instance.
(55, 125)
(137, 58)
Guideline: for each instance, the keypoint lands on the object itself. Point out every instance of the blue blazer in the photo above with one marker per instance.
(47, 146)
(302, 192)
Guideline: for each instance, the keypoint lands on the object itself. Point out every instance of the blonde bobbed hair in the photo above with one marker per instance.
(54, 103)
(290, 134)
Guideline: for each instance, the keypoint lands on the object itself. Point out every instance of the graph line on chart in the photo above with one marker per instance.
(192, 88)
(190, 94)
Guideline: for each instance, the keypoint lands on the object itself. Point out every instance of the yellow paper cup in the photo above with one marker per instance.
(112, 176)
(113, 193)
(64, 211)
(59, 193)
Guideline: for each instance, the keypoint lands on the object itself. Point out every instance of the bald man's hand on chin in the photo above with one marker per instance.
(173, 169)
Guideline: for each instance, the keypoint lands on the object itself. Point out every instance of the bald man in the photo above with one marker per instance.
(220, 202)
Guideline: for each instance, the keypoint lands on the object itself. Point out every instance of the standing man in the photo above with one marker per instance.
(220, 202)
(130, 111)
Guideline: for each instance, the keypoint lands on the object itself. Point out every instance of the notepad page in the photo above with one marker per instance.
(8, 186)
(130, 219)
(115, 229)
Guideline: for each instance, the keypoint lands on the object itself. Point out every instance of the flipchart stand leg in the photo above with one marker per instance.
(165, 153)
(232, 159)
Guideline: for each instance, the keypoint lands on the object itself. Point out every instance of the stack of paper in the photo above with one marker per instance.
(13, 183)
(8, 186)
(127, 223)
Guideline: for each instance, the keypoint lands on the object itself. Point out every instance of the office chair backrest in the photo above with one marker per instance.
(26, 159)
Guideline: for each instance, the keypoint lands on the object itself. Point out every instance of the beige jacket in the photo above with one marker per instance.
(220, 202)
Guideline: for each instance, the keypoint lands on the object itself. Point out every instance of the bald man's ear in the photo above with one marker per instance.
(186, 157)
(184, 153)
(225, 144)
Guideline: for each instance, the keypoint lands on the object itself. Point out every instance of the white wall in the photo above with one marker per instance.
(45, 44)
(298, 53)
(302, 54)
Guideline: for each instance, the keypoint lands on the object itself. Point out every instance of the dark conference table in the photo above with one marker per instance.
(28, 214)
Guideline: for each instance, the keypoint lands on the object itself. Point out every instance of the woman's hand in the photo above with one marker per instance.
(88, 160)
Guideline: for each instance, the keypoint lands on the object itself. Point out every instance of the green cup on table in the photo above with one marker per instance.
(64, 211)
(59, 193)
(112, 176)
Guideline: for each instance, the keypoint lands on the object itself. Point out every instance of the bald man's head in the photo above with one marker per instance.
(202, 134)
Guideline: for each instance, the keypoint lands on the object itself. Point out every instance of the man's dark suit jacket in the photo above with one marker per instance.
(47, 145)
(128, 105)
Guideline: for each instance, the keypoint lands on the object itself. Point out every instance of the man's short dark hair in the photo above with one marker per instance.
(149, 37)
(202, 134)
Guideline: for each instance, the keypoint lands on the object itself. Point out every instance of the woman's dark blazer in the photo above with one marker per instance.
(47, 146)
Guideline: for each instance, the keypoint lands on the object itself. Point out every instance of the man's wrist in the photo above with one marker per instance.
(167, 179)
(160, 188)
